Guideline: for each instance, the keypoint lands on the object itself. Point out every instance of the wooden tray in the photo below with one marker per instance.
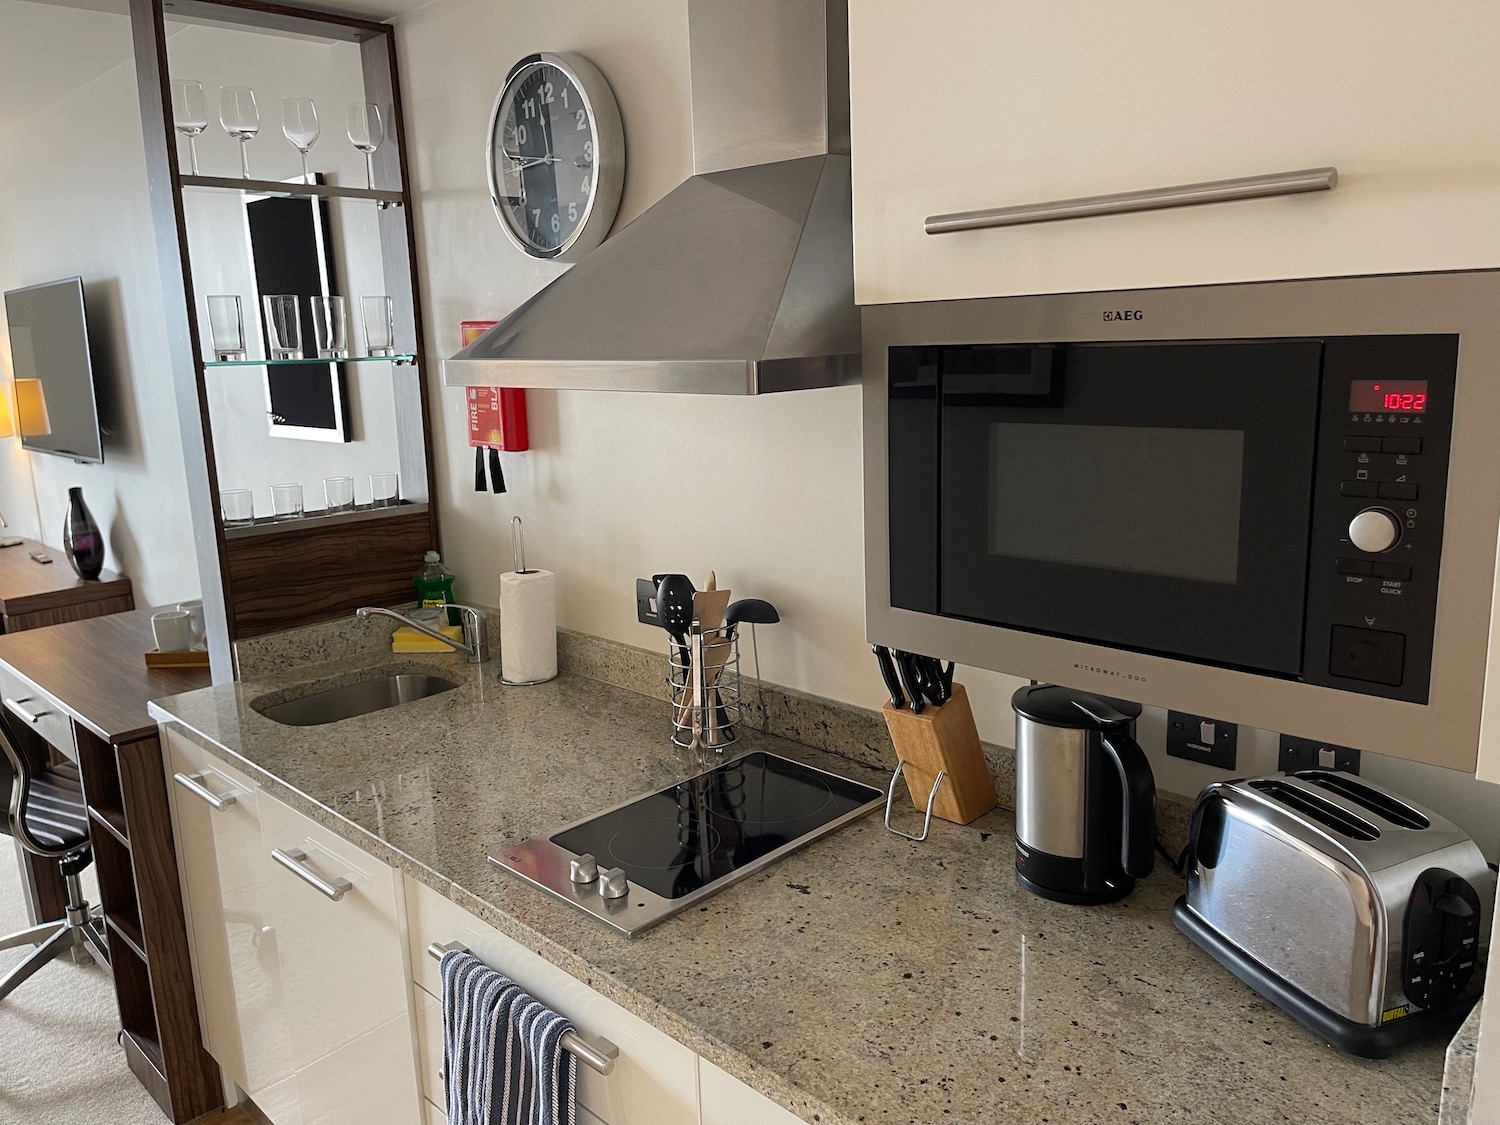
(193, 658)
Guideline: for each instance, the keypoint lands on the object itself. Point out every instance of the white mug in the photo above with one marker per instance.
(194, 609)
(173, 630)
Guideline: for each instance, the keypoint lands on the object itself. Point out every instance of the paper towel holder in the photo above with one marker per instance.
(518, 549)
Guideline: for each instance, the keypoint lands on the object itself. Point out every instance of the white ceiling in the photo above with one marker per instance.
(48, 50)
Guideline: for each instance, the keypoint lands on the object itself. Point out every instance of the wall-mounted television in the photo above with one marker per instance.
(49, 342)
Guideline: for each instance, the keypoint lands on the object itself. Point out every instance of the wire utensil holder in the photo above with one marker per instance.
(703, 678)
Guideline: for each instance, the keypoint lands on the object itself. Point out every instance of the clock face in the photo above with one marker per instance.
(544, 155)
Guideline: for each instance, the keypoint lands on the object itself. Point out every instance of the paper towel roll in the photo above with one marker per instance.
(528, 626)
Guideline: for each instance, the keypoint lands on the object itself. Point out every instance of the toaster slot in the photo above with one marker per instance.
(1381, 804)
(1318, 809)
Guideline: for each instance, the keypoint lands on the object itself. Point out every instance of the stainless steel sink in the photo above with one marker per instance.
(350, 700)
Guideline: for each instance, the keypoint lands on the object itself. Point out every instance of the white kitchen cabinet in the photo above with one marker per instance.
(344, 973)
(960, 105)
(655, 1078)
(728, 1101)
(236, 969)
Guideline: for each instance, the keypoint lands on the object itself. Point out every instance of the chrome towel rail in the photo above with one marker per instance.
(600, 1054)
(1152, 199)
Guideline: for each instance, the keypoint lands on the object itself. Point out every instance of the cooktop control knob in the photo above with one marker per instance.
(1374, 530)
(612, 883)
(583, 870)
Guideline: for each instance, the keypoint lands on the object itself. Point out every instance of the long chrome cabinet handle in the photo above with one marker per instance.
(1153, 199)
(193, 783)
(32, 717)
(293, 860)
(599, 1054)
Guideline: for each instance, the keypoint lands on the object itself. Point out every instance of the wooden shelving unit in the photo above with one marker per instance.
(272, 578)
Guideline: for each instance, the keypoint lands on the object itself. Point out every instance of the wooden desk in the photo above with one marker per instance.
(34, 594)
(83, 688)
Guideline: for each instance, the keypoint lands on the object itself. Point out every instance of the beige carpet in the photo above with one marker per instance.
(59, 1064)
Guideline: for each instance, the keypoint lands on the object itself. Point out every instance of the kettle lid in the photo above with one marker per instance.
(1055, 706)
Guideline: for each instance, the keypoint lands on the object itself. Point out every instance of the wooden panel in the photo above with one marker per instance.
(61, 615)
(195, 1087)
(107, 692)
(310, 574)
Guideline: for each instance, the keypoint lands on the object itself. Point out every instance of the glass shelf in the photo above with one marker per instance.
(400, 360)
(316, 518)
(289, 190)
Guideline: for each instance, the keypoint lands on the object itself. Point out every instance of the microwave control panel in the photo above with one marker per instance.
(1379, 488)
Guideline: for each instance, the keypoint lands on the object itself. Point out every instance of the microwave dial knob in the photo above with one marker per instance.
(1374, 530)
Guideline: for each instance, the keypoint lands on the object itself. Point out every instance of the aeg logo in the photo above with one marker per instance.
(1124, 314)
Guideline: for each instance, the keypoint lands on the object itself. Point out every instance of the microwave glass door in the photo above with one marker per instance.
(1150, 496)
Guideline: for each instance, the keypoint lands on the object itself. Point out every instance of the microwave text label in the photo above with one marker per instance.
(1124, 314)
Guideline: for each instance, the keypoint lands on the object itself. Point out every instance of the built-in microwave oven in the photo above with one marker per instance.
(1272, 503)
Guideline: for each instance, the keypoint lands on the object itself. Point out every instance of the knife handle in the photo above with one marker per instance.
(888, 674)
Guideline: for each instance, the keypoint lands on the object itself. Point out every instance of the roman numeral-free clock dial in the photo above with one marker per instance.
(556, 156)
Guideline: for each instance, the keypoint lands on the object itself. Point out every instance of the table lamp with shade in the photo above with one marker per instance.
(24, 413)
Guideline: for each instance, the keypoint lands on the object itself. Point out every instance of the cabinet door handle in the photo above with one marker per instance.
(1152, 199)
(193, 783)
(32, 717)
(295, 859)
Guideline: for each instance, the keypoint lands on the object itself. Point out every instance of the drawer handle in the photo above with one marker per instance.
(193, 783)
(32, 717)
(600, 1054)
(1152, 199)
(295, 859)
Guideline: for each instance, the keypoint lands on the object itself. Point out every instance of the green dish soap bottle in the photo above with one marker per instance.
(434, 584)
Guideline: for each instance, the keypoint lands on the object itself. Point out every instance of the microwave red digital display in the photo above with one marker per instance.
(1389, 396)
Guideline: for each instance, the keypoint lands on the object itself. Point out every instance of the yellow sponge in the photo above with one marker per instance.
(407, 639)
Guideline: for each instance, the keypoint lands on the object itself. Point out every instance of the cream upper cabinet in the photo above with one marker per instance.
(236, 967)
(962, 105)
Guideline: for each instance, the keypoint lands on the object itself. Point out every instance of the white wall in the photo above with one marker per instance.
(616, 486)
(73, 182)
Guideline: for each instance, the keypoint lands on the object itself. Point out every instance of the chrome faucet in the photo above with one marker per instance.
(476, 642)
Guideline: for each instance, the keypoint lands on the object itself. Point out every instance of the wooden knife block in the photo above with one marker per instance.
(944, 738)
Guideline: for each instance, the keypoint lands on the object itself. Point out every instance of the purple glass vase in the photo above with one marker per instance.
(82, 539)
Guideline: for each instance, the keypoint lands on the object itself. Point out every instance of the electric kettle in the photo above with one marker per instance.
(1085, 797)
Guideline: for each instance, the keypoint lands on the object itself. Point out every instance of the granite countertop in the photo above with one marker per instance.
(864, 979)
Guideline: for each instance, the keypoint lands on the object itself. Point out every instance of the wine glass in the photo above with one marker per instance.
(366, 131)
(299, 121)
(189, 113)
(240, 118)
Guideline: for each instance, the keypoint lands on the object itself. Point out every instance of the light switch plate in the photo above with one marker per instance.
(1295, 753)
(1198, 738)
(645, 602)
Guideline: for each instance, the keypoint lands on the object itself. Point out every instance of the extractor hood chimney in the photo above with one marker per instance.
(741, 279)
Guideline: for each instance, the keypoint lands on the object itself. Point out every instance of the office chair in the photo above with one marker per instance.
(48, 818)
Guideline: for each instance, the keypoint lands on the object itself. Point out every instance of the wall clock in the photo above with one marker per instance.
(556, 156)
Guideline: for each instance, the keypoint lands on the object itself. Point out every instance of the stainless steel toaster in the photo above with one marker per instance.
(1357, 912)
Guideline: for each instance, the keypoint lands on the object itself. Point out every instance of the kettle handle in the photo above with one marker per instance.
(1138, 840)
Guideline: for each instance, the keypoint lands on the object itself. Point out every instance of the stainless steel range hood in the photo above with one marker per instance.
(741, 279)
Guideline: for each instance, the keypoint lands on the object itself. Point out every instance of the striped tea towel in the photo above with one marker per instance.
(503, 1051)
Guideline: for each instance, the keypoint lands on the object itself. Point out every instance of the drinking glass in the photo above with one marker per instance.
(385, 490)
(238, 507)
(366, 131)
(286, 501)
(240, 118)
(226, 324)
(283, 326)
(299, 121)
(338, 494)
(380, 325)
(189, 114)
(330, 327)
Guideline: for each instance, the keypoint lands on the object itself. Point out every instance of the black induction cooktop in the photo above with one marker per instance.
(690, 839)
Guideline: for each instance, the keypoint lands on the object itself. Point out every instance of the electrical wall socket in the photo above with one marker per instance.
(1201, 739)
(645, 602)
(1295, 753)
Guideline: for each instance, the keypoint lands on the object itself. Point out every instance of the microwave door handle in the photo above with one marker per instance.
(1138, 842)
